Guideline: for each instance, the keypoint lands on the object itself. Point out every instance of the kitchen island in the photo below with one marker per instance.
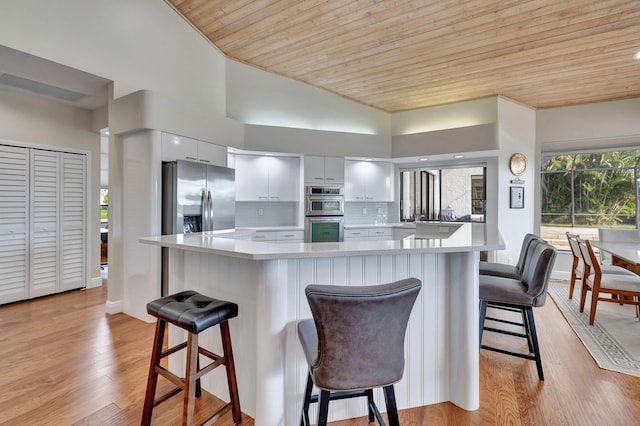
(268, 280)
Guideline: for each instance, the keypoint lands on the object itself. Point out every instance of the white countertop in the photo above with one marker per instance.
(470, 237)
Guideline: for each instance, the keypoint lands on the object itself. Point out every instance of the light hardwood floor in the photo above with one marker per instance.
(63, 361)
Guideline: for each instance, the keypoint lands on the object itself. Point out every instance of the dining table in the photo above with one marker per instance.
(624, 254)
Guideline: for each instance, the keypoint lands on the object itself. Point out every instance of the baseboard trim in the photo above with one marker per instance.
(95, 282)
(113, 307)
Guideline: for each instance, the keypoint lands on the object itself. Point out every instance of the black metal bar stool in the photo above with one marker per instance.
(193, 312)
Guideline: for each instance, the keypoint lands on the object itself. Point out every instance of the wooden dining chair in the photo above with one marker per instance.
(623, 289)
(578, 265)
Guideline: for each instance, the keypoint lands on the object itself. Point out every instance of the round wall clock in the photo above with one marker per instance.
(518, 164)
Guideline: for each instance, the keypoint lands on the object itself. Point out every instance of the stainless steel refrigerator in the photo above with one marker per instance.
(195, 197)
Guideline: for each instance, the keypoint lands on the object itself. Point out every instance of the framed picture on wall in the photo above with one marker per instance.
(516, 198)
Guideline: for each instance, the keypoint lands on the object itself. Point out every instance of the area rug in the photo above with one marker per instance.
(613, 340)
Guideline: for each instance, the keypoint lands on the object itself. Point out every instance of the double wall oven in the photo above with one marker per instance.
(324, 213)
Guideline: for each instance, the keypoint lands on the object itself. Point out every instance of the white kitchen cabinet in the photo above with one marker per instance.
(264, 236)
(267, 178)
(380, 233)
(290, 236)
(323, 170)
(356, 234)
(182, 148)
(179, 148)
(373, 233)
(368, 181)
(210, 153)
(294, 236)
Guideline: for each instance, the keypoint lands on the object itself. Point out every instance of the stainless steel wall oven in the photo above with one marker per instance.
(324, 211)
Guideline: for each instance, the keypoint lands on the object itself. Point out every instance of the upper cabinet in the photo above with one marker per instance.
(368, 181)
(182, 148)
(323, 169)
(267, 178)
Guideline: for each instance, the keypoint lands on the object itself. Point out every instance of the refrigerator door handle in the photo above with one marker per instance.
(203, 211)
(210, 213)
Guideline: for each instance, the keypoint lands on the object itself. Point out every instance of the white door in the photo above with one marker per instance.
(45, 205)
(73, 226)
(14, 224)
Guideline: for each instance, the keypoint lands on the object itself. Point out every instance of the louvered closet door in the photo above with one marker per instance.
(45, 207)
(73, 222)
(14, 223)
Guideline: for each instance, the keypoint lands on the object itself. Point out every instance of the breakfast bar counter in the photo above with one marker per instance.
(267, 281)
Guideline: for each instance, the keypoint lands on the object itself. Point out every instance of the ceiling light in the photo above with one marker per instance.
(636, 56)
(423, 159)
(458, 156)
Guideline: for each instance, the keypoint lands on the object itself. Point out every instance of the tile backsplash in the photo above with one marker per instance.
(249, 214)
(365, 213)
(253, 214)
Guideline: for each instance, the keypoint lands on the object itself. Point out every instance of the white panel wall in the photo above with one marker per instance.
(271, 300)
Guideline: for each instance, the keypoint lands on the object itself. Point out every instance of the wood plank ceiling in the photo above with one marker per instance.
(396, 55)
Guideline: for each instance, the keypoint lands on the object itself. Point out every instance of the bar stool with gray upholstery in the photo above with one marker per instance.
(355, 342)
(519, 295)
(509, 271)
(195, 313)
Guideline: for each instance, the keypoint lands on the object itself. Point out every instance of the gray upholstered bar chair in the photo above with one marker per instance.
(354, 343)
(509, 271)
(519, 295)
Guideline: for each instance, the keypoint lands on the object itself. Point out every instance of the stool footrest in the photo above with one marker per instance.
(211, 420)
(176, 380)
(173, 350)
(167, 395)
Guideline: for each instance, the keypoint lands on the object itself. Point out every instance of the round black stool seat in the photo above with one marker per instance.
(192, 311)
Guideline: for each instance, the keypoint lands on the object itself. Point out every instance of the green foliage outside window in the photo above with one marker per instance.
(595, 189)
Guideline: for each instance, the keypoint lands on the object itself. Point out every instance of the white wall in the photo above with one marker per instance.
(32, 121)
(316, 142)
(604, 124)
(451, 116)
(141, 196)
(517, 133)
(141, 44)
(258, 97)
